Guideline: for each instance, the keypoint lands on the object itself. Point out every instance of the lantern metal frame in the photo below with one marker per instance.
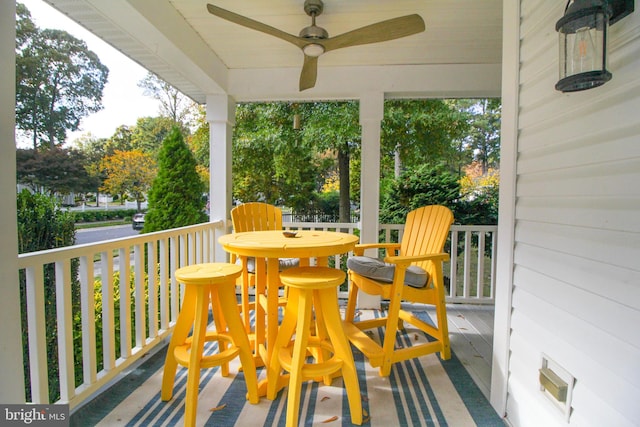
(594, 16)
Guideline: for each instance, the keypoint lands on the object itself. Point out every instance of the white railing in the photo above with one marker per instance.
(107, 289)
(473, 258)
(112, 275)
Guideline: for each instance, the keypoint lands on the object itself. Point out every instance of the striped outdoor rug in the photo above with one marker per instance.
(419, 392)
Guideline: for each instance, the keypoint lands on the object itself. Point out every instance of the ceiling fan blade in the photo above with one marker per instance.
(390, 29)
(309, 72)
(255, 25)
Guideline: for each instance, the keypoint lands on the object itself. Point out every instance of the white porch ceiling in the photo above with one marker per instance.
(459, 54)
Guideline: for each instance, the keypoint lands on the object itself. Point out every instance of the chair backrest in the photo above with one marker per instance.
(426, 231)
(256, 216)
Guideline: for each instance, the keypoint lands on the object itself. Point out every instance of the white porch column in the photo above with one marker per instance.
(11, 370)
(221, 113)
(371, 114)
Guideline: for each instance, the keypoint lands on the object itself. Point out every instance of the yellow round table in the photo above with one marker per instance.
(270, 246)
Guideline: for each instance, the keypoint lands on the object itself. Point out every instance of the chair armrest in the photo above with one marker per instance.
(361, 247)
(406, 260)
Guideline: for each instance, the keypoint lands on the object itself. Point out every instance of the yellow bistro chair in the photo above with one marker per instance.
(417, 260)
(255, 216)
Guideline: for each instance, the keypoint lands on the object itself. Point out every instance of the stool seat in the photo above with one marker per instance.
(312, 291)
(207, 285)
(208, 273)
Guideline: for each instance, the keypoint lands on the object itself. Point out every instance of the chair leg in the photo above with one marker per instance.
(391, 331)
(350, 312)
(441, 313)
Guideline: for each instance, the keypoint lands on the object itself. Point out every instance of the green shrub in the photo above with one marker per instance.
(43, 225)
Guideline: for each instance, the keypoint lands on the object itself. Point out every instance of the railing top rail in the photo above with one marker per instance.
(67, 252)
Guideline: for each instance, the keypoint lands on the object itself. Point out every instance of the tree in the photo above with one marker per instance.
(420, 186)
(484, 135)
(270, 160)
(149, 132)
(58, 170)
(335, 127)
(58, 81)
(94, 150)
(176, 195)
(421, 132)
(173, 104)
(128, 173)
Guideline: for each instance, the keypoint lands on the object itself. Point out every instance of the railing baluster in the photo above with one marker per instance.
(36, 324)
(88, 313)
(174, 289)
(164, 285)
(65, 329)
(480, 261)
(467, 264)
(152, 289)
(108, 312)
(139, 288)
(453, 269)
(125, 303)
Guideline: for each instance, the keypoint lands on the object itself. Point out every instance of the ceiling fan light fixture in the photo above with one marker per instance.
(313, 49)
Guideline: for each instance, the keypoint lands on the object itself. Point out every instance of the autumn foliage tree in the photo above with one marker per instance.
(176, 196)
(128, 173)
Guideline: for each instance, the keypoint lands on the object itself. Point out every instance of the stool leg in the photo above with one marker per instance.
(321, 333)
(285, 333)
(195, 356)
(221, 326)
(180, 334)
(227, 299)
(298, 356)
(342, 350)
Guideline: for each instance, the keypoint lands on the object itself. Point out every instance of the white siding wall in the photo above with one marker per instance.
(576, 272)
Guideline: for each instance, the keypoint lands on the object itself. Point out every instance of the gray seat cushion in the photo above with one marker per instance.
(381, 271)
(285, 263)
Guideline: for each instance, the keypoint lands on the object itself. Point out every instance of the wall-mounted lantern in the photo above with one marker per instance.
(584, 38)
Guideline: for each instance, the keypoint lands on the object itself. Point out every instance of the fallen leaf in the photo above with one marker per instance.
(330, 420)
(461, 316)
(325, 398)
(218, 408)
(415, 337)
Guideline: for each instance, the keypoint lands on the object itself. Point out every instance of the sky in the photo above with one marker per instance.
(122, 99)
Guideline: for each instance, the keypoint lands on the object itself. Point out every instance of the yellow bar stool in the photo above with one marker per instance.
(205, 284)
(309, 288)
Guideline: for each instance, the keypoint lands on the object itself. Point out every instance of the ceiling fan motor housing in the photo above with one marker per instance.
(313, 7)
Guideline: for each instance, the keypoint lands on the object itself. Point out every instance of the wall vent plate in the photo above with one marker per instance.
(557, 385)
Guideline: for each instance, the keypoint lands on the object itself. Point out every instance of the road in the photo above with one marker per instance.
(92, 235)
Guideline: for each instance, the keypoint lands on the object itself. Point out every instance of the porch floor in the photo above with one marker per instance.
(471, 335)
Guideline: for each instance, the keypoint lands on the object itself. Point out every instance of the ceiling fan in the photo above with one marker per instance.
(314, 40)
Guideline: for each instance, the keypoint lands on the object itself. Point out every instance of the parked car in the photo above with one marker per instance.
(138, 221)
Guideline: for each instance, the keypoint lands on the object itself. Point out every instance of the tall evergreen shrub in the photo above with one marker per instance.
(176, 195)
